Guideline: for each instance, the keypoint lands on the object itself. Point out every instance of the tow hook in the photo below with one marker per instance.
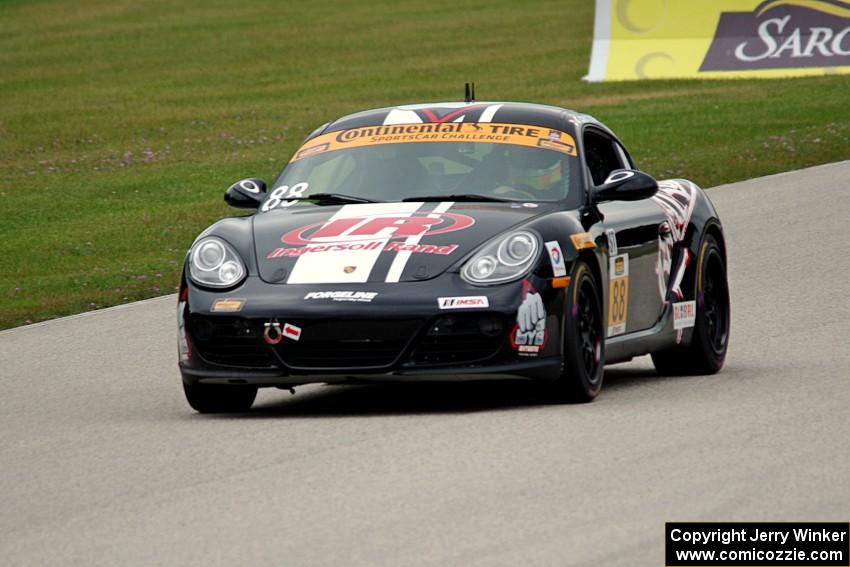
(273, 332)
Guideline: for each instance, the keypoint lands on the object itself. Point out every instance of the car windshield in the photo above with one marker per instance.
(498, 162)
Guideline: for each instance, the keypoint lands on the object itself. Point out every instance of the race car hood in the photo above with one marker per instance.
(377, 242)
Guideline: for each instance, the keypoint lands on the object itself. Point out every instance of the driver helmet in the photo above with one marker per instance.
(532, 167)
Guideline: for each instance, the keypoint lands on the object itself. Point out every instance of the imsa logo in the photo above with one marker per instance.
(471, 301)
(684, 314)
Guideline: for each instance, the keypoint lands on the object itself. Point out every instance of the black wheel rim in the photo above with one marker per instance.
(590, 329)
(715, 297)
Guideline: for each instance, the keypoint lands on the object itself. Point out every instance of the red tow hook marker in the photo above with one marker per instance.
(273, 333)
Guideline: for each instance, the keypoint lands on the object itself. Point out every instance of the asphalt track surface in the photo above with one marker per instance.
(103, 463)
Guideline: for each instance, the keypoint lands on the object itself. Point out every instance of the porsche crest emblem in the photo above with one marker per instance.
(349, 269)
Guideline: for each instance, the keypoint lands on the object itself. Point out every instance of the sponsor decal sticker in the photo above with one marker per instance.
(470, 301)
(583, 240)
(611, 235)
(290, 331)
(556, 145)
(312, 150)
(372, 245)
(367, 228)
(357, 296)
(411, 244)
(529, 335)
(556, 257)
(439, 131)
(228, 305)
(676, 198)
(284, 196)
(374, 232)
(348, 246)
(684, 314)
(618, 294)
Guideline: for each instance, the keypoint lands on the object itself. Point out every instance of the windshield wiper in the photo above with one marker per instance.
(466, 197)
(334, 198)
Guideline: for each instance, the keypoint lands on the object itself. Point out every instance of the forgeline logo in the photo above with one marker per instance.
(782, 34)
(359, 296)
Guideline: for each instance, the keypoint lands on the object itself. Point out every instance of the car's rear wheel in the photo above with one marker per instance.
(707, 351)
(214, 398)
(584, 340)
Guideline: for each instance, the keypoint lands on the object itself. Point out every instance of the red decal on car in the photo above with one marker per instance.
(377, 226)
(431, 116)
(290, 331)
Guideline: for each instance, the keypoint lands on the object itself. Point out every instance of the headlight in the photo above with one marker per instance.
(503, 259)
(213, 262)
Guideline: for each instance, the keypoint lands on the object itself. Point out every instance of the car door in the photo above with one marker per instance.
(635, 301)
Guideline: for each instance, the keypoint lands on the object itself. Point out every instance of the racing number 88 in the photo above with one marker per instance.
(618, 303)
(278, 197)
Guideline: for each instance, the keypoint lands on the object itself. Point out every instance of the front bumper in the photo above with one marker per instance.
(544, 369)
(400, 335)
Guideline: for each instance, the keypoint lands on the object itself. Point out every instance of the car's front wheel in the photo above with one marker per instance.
(584, 340)
(214, 398)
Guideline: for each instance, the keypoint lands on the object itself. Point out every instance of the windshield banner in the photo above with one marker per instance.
(659, 39)
(491, 132)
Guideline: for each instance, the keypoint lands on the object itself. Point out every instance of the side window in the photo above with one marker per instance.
(624, 156)
(601, 156)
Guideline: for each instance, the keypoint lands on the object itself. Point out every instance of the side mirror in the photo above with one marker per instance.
(625, 185)
(246, 194)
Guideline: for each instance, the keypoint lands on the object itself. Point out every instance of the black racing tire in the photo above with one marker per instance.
(584, 340)
(707, 351)
(215, 398)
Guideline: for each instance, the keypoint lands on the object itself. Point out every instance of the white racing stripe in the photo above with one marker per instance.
(420, 106)
(489, 112)
(401, 258)
(329, 267)
(401, 116)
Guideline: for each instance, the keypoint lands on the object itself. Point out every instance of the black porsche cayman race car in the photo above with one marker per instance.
(455, 241)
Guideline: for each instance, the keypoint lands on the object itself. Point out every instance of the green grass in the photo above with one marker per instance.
(122, 122)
